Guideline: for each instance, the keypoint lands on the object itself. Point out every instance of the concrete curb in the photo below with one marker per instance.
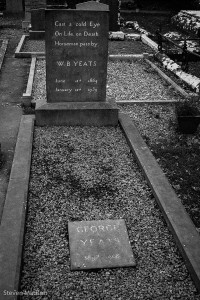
(146, 102)
(153, 45)
(153, 12)
(146, 40)
(170, 81)
(27, 96)
(183, 230)
(128, 57)
(14, 213)
(19, 54)
(3, 51)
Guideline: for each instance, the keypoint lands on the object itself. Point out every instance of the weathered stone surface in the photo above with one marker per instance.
(99, 244)
(117, 35)
(92, 5)
(38, 19)
(36, 35)
(76, 55)
(76, 113)
(113, 15)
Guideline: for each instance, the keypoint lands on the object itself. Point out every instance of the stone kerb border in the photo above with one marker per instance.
(146, 40)
(13, 220)
(20, 54)
(153, 12)
(184, 232)
(3, 51)
(185, 77)
(179, 89)
(27, 96)
(14, 212)
(127, 57)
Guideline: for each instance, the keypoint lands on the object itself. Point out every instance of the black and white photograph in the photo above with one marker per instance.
(99, 150)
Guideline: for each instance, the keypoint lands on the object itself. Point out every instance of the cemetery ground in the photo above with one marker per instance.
(13, 76)
(110, 185)
(151, 23)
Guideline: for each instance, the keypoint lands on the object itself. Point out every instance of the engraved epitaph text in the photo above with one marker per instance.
(76, 55)
(99, 244)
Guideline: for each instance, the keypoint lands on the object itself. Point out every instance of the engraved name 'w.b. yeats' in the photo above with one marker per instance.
(76, 55)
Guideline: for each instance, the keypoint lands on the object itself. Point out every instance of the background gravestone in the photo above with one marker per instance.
(114, 14)
(99, 244)
(77, 52)
(38, 19)
(37, 31)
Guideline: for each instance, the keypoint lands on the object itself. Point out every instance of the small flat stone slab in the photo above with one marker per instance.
(99, 244)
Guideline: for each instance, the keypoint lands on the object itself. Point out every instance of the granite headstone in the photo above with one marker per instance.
(76, 55)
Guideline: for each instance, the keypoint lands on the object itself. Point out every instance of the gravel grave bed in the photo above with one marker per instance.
(177, 154)
(126, 81)
(33, 46)
(88, 173)
(114, 47)
(128, 47)
(157, 125)
(10, 22)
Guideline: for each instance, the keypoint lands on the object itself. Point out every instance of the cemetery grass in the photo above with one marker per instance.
(89, 173)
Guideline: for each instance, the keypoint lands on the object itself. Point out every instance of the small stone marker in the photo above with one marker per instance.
(99, 244)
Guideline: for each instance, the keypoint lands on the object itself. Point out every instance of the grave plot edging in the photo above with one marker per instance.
(19, 54)
(13, 219)
(157, 102)
(3, 51)
(27, 96)
(184, 232)
(170, 81)
(153, 12)
(128, 57)
(14, 213)
(146, 40)
(20, 45)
